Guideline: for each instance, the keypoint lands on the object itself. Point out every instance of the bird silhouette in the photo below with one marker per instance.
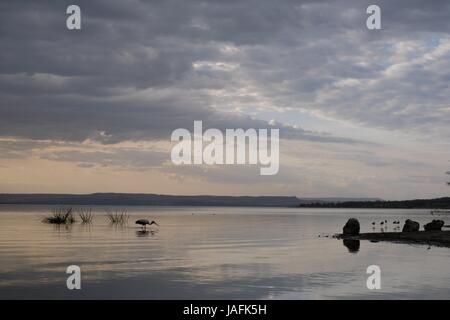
(145, 222)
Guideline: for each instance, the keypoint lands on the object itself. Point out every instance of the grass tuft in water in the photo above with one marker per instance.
(117, 216)
(60, 216)
(85, 215)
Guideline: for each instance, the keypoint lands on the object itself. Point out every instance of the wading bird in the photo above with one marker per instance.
(145, 222)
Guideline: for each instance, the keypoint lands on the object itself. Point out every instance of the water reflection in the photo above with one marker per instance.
(230, 255)
(118, 226)
(86, 226)
(62, 229)
(145, 233)
(352, 245)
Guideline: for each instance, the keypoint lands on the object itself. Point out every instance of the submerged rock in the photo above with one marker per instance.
(435, 225)
(351, 227)
(440, 238)
(411, 226)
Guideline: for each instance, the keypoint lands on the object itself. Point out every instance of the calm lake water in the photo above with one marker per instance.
(215, 253)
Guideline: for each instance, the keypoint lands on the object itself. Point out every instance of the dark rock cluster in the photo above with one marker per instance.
(435, 225)
(351, 227)
(411, 226)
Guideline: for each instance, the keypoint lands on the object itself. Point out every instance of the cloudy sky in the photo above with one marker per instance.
(361, 112)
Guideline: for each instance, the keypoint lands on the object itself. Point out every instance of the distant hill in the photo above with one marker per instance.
(130, 199)
(336, 200)
(438, 203)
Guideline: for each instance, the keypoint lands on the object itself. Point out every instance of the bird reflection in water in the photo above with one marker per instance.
(352, 245)
(145, 233)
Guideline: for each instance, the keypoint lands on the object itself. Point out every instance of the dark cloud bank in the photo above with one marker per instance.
(130, 73)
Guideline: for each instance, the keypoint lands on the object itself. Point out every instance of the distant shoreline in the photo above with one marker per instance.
(438, 203)
(133, 199)
(142, 199)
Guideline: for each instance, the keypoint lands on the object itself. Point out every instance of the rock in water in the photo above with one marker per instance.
(411, 226)
(351, 227)
(435, 225)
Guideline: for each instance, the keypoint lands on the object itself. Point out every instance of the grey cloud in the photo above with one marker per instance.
(242, 174)
(78, 119)
(129, 73)
(15, 149)
(130, 159)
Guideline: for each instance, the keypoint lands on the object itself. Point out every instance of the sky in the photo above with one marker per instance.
(361, 113)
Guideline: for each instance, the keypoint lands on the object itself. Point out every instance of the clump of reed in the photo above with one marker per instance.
(118, 216)
(60, 216)
(85, 215)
